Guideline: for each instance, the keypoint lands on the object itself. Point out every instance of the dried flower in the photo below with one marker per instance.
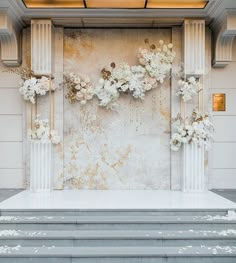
(79, 88)
(153, 46)
(113, 65)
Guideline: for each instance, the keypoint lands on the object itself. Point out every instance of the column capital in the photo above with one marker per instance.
(10, 38)
(224, 34)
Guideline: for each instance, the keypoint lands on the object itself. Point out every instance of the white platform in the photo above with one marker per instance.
(116, 200)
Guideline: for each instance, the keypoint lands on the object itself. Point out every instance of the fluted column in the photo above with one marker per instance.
(194, 47)
(42, 46)
(193, 168)
(41, 158)
(193, 173)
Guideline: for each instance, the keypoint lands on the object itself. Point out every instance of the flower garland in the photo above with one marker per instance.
(198, 129)
(188, 88)
(40, 131)
(79, 88)
(154, 66)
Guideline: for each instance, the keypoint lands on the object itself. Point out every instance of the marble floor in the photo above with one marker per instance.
(72, 199)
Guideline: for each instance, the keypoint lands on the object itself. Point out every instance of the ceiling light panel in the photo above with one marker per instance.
(115, 3)
(176, 4)
(54, 3)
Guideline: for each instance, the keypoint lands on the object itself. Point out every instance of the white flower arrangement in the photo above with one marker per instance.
(157, 60)
(79, 88)
(155, 65)
(196, 129)
(123, 79)
(189, 88)
(40, 131)
(33, 86)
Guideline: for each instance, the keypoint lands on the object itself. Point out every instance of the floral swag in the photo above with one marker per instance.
(154, 67)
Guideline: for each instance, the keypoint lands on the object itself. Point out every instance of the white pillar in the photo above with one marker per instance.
(193, 168)
(194, 47)
(41, 46)
(41, 172)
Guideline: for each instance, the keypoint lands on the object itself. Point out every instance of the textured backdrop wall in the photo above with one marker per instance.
(125, 148)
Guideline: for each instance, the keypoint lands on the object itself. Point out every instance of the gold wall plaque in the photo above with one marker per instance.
(218, 101)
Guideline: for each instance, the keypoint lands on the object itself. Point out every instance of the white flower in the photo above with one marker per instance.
(198, 129)
(76, 80)
(157, 62)
(176, 142)
(83, 84)
(107, 92)
(55, 138)
(188, 89)
(79, 95)
(34, 86)
(40, 131)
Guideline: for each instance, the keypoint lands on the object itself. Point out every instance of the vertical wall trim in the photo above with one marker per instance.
(175, 157)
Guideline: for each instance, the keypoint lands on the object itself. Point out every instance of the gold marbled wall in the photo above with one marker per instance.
(127, 148)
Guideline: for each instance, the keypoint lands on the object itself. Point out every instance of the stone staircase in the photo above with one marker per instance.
(133, 236)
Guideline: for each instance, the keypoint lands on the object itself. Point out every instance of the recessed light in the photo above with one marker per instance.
(115, 3)
(54, 3)
(176, 4)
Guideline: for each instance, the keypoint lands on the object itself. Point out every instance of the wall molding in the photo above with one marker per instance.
(225, 32)
(10, 38)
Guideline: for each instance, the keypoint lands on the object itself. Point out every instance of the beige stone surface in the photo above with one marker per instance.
(125, 148)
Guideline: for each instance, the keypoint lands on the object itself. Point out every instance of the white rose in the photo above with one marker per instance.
(77, 80)
(83, 84)
(192, 80)
(83, 91)
(165, 48)
(79, 95)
